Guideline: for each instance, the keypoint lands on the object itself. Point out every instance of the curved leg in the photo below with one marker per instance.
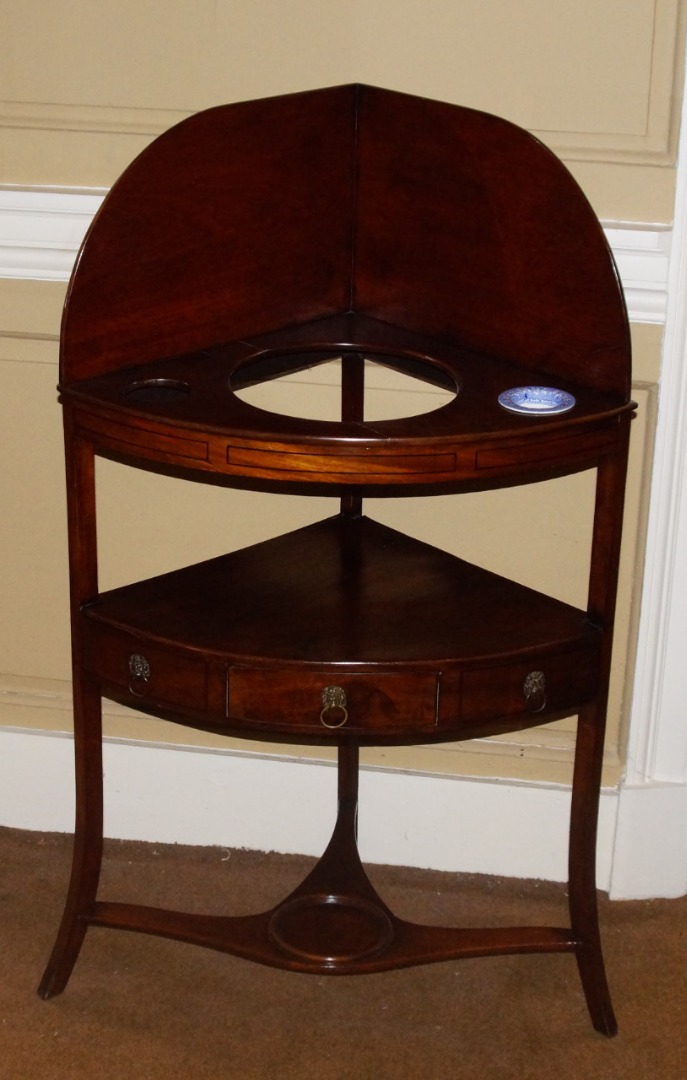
(88, 840)
(88, 831)
(582, 869)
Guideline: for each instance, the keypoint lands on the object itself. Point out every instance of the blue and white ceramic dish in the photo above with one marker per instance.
(536, 400)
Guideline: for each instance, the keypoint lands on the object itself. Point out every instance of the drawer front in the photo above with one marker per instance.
(148, 672)
(318, 701)
(549, 684)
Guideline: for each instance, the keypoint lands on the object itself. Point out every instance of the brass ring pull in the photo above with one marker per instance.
(341, 722)
(333, 698)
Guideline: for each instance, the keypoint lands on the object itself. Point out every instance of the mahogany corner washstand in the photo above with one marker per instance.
(260, 238)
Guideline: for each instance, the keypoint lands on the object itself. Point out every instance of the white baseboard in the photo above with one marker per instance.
(203, 797)
(650, 848)
(244, 800)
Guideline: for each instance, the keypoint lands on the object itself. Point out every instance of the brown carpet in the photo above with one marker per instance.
(140, 1007)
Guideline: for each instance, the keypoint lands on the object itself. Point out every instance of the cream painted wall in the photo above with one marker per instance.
(86, 86)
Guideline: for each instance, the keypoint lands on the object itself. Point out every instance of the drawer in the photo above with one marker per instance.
(548, 684)
(315, 701)
(147, 672)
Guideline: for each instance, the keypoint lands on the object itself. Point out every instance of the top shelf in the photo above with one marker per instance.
(184, 412)
(256, 238)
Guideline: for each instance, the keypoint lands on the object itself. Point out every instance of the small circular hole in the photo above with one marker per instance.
(158, 390)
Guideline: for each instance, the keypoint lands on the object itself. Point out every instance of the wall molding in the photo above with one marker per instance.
(650, 77)
(642, 255)
(651, 840)
(656, 139)
(657, 748)
(96, 119)
(41, 230)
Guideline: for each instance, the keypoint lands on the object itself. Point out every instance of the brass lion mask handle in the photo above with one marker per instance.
(534, 689)
(139, 675)
(334, 713)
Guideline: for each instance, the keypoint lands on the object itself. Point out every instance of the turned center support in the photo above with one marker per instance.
(335, 916)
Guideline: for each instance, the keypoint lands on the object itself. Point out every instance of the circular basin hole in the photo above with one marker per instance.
(309, 386)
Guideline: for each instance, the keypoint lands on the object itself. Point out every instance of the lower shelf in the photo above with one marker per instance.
(348, 627)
